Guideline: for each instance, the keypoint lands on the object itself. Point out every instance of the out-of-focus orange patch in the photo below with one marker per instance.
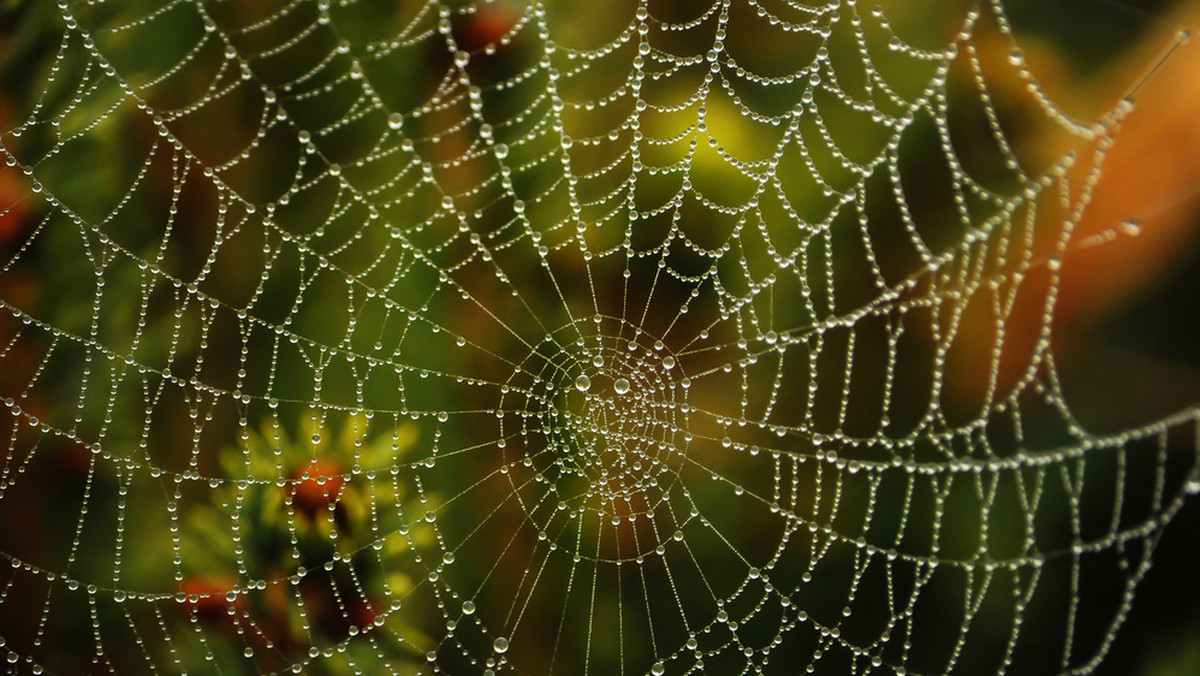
(206, 598)
(1152, 175)
(14, 208)
(362, 612)
(486, 26)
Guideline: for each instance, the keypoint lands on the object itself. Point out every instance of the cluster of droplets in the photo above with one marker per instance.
(603, 429)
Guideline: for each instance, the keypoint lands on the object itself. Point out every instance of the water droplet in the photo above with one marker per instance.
(668, 362)
(598, 361)
(395, 120)
(1131, 227)
(500, 645)
(658, 669)
(621, 386)
(583, 383)
(468, 607)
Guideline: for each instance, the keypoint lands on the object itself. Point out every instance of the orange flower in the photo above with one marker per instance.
(320, 486)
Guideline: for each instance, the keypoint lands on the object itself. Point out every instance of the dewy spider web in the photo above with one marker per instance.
(572, 338)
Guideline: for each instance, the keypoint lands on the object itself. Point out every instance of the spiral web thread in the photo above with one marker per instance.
(462, 338)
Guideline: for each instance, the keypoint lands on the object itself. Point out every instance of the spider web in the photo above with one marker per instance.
(484, 338)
